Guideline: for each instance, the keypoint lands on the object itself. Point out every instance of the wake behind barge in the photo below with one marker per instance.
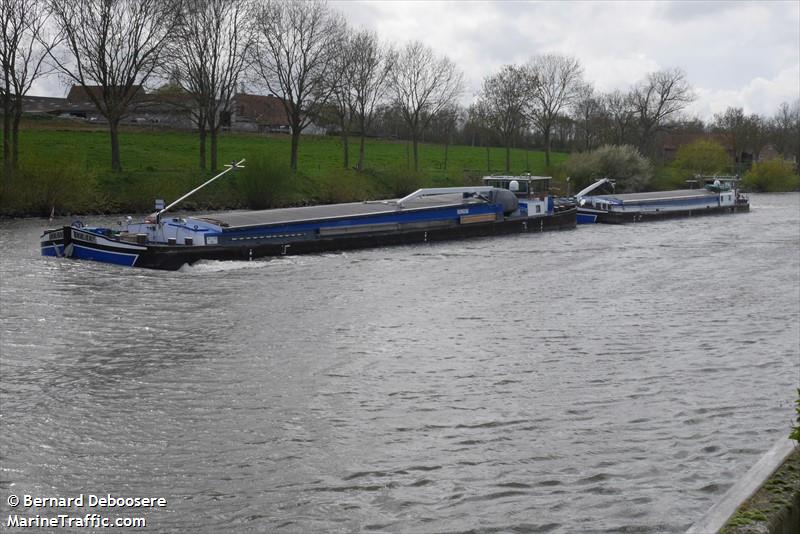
(426, 215)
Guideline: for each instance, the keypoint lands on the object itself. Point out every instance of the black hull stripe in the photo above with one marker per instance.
(172, 258)
(627, 217)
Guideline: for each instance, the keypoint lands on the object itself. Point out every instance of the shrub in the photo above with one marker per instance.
(773, 175)
(666, 178)
(340, 185)
(404, 182)
(137, 191)
(624, 164)
(397, 182)
(702, 157)
(66, 189)
(265, 183)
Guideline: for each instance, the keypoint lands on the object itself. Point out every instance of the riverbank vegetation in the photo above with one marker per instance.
(771, 176)
(630, 170)
(171, 65)
(774, 506)
(68, 171)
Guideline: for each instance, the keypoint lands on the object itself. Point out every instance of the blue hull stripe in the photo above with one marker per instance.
(53, 250)
(450, 213)
(584, 218)
(118, 258)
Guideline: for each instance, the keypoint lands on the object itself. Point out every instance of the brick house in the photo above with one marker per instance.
(257, 113)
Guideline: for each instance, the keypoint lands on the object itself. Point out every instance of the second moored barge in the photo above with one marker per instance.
(721, 195)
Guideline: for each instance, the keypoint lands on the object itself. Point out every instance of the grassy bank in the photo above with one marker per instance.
(774, 507)
(68, 169)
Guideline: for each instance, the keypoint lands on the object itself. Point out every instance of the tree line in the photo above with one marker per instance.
(325, 72)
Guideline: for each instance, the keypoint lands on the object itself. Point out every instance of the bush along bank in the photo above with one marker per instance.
(264, 183)
(771, 176)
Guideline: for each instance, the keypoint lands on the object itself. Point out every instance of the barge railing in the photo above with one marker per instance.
(442, 191)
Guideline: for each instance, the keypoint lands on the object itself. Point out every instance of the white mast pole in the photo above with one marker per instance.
(233, 165)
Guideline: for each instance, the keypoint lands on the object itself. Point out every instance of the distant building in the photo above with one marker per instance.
(171, 108)
(768, 152)
(176, 110)
(80, 95)
(258, 113)
(671, 142)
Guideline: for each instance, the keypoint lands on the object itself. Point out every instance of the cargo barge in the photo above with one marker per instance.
(721, 195)
(427, 215)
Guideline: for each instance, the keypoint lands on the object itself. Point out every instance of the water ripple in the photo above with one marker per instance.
(610, 379)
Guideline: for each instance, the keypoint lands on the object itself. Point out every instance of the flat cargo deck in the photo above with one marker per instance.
(242, 219)
(662, 195)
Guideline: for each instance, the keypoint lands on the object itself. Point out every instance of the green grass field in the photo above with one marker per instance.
(68, 167)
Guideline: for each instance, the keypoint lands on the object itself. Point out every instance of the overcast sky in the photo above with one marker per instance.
(744, 54)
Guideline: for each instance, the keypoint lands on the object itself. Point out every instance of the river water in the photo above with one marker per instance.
(605, 379)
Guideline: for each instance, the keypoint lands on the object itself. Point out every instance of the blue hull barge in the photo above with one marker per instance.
(721, 196)
(427, 215)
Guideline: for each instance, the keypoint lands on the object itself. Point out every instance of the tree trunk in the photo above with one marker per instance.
(8, 167)
(415, 142)
(295, 145)
(201, 129)
(15, 137)
(547, 147)
(346, 149)
(113, 126)
(214, 133)
(360, 166)
(202, 160)
(508, 157)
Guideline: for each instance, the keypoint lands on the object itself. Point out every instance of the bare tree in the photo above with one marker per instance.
(422, 85)
(343, 94)
(24, 48)
(620, 114)
(732, 123)
(370, 66)
(785, 129)
(755, 134)
(502, 103)
(660, 96)
(473, 126)
(588, 114)
(294, 57)
(209, 52)
(116, 45)
(478, 129)
(444, 125)
(559, 79)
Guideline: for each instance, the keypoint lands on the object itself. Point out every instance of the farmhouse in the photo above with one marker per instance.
(167, 109)
(258, 113)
